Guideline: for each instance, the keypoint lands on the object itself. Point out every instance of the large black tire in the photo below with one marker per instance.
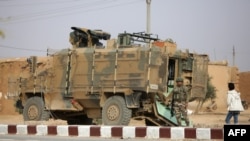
(34, 110)
(115, 111)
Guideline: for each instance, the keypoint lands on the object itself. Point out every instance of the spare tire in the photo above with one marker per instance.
(34, 110)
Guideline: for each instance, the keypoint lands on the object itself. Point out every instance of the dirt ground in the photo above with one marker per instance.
(18, 119)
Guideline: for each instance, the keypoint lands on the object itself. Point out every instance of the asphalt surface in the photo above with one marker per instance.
(59, 138)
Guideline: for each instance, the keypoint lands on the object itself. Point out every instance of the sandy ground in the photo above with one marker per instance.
(217, 119)
(18, 119)
(208, 119)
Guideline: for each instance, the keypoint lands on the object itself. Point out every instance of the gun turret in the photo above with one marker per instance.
(83, 37)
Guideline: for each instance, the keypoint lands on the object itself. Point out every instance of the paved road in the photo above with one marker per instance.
(58, 138)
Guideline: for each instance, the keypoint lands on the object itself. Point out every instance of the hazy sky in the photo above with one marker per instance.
(211, 27)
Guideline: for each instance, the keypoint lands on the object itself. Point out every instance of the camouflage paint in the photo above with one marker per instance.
(132, 72)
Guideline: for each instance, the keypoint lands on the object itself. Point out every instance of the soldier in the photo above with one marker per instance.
(180, 99)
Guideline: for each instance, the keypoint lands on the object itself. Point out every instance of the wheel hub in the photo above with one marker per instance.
(113, 112)
(33, 112)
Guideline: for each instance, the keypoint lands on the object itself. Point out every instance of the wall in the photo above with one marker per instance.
(220, 77)
(244, 83)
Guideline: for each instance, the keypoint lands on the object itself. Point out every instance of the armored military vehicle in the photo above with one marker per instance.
(128, 78)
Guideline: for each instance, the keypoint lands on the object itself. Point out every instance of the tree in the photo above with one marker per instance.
(211, 91)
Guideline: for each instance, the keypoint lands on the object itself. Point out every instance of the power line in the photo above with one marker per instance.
(38, 3)
(62, 9)
(17, 48)
(61, 12)
(41, 14)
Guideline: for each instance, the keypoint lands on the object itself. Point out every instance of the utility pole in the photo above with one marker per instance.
(148, 16)
(233, 56)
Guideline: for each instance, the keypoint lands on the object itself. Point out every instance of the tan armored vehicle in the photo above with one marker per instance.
(126, 79)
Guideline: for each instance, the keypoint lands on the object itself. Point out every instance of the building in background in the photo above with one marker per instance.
(221, 75)
(244, 83)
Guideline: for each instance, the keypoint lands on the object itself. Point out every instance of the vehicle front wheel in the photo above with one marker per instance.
(115, 111)
(34, 110)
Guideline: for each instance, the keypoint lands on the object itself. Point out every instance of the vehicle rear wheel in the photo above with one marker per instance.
(34, 110)
(115, 111)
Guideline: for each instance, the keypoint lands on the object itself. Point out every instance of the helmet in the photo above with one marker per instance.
(179, 79)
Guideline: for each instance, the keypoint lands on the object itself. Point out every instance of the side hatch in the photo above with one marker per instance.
(199, 76)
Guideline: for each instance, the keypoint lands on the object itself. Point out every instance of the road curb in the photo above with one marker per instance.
(148, 132)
